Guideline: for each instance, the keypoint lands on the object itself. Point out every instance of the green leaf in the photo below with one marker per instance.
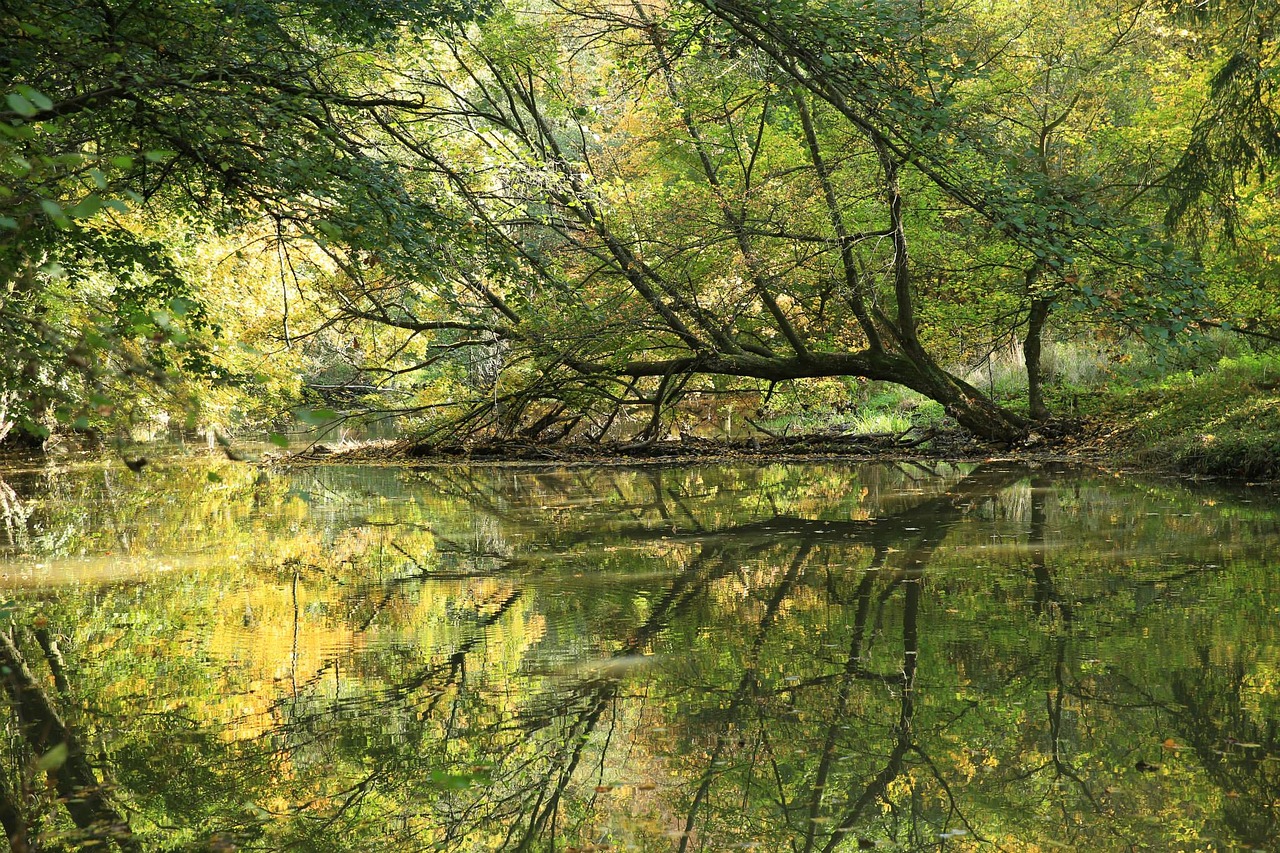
(315, 417)
(21, 105)
(278, 440)
(456, 782)
(213, 477)
(329, 230)
(86, 207)
(54, 211)
(53, 759)
(35, 96)
(160, 155)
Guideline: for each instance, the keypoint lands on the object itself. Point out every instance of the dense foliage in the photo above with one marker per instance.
(601, 219)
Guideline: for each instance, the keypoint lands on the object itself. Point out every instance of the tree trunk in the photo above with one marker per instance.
(1031, 353)
(972, 409)
(15, 825)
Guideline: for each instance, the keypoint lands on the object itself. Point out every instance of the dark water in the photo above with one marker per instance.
(781, 657)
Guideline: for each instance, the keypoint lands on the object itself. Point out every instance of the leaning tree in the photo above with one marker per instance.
(645, 195)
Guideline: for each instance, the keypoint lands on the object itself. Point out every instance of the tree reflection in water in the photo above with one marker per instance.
(807, 658)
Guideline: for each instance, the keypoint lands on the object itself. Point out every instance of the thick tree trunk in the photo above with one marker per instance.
(972, 409)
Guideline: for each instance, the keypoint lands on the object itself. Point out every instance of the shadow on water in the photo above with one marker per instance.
(806, 658)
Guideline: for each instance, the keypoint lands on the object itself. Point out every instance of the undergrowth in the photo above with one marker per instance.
(1222, 421)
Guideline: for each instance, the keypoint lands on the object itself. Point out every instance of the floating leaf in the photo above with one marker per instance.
(328, 229)
(455, 782)
(315, 417)
(86, 207)
(35, 96)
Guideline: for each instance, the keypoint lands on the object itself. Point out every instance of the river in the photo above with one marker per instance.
(812, 657)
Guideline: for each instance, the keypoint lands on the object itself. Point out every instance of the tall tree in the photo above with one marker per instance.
(733, 256)
(741, 192)
(979, 104)
(1235, 139)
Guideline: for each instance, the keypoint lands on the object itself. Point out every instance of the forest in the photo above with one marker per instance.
(1006, 247)
(599, 220)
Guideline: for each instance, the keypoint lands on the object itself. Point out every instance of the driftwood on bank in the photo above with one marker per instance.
(829, 444)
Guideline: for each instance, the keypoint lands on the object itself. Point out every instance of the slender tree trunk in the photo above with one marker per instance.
(1031, 350)
(848, 264)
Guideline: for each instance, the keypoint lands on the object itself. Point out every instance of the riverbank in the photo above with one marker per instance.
(1223, 422)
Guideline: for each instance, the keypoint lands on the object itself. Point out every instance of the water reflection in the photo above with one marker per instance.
(812, 658)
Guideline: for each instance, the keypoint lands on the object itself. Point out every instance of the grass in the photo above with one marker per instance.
(1224, 421)
(875, 408)
(1222, 418)
(881, 423)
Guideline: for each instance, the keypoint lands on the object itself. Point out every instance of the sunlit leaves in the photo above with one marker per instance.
(240, 124)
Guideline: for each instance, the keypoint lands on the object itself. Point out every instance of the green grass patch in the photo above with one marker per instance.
(1225, 421)
(871, 408)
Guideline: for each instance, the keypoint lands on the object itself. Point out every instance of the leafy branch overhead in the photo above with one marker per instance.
(550, 219)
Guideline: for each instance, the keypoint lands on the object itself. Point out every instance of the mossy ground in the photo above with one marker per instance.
(1222, 422)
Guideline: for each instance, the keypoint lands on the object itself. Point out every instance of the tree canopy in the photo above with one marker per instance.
(543, 218)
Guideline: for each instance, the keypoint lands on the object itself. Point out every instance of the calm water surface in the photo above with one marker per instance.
(778, 657)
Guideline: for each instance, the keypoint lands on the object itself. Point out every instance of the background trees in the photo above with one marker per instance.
(552, 218)
(126, 114)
